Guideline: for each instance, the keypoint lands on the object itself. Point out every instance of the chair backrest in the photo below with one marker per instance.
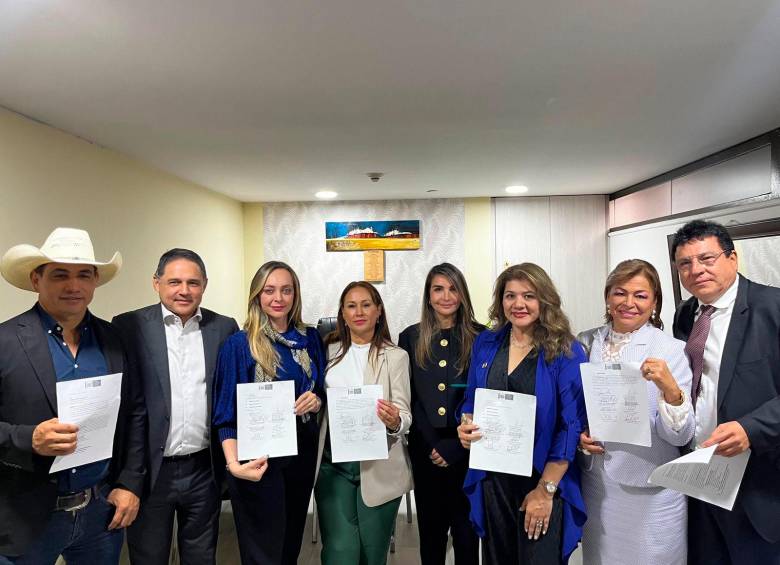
(326, 325)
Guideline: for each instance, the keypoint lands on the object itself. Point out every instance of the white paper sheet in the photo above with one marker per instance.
(356, 432)
(702, 474)
(506, 421)
(93, 405)
(266, 420)
(616, 401)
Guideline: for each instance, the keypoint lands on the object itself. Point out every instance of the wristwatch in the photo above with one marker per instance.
(549, 487)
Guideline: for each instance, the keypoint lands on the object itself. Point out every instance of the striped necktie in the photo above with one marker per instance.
(694, 348)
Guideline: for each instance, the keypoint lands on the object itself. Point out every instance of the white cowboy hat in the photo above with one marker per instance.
(64, 245)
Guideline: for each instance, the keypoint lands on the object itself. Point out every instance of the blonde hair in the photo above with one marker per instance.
(552, 331)
(257, 321)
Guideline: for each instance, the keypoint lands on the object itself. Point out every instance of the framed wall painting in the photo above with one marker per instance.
(390, 235)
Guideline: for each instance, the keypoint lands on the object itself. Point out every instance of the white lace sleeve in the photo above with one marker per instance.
(673, 417)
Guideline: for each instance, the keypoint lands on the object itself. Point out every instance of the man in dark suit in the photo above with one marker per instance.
(77, 512)
(732, 329)
(173, 346)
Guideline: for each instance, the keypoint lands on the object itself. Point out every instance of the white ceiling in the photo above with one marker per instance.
(272, 100)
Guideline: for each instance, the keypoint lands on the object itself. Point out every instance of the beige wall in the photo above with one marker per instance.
(253, 242)
(49, 178)
(479, 245)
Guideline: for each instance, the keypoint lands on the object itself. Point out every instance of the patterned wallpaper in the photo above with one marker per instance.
(295, 233)
(759, 259)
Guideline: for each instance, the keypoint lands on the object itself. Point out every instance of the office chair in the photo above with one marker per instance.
(326, 325)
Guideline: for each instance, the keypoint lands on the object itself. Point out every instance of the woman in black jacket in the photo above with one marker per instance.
(439, 348)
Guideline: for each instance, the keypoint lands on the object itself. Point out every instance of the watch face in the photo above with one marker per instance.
(551, 488)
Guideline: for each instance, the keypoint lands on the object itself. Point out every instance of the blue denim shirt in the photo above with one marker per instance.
(89, 362)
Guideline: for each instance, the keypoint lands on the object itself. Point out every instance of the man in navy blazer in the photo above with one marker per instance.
(738, 398)
(173, 346)
(78, 512)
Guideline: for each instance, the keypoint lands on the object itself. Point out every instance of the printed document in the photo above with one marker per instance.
(93, 405)
(616, 401)
(356, 432)
(266, 420)
(506, 421)
(702, 474)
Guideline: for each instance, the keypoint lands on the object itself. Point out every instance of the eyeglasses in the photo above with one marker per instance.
(706, 259)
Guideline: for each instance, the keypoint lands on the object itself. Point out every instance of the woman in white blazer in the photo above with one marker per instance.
(630, 521)
(357, 501)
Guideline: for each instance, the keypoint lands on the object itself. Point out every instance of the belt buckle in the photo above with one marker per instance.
(81, 505)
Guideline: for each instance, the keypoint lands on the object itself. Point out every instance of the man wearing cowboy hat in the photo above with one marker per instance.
(78, 512)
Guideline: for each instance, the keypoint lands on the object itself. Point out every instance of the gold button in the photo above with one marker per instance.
(443, 363)
(442, 411)
(442, 386)
(444, 343)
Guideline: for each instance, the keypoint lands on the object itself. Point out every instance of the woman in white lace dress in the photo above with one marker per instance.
(629, 521)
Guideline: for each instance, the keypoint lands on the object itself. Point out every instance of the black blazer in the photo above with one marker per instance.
(749, 392)
(28, 397)
(432, 391)
(143, 333)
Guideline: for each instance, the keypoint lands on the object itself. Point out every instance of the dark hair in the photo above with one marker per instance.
(699, 229)
(341, 334)
(465, 327)
(552, 330)
(627, 270)
(178, 253)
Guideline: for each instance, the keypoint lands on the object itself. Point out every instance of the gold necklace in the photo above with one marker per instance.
(513, 341)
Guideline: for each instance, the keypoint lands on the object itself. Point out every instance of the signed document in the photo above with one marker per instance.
(506, 421)
(616, 401)
(702, 474)
(93, 405)
(356, 432)
(266, 420)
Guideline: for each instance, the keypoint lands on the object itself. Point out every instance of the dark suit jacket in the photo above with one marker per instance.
(143, 333)
(27, 398)
(749, 392)
(429, 428)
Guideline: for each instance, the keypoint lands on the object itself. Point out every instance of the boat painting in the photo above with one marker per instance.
(371, 234)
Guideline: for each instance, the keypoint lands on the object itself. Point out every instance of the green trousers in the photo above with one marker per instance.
(352, 533)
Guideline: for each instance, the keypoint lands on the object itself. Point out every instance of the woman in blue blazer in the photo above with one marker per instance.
(530, 350)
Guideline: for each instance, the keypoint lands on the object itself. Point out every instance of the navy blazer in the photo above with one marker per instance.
(143, 333)
(749, 393)
(560, 417)
(28, 396)
(435, 388)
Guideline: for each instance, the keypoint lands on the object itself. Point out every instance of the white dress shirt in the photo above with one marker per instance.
(189, 430)
(707, 403)
(350, 370)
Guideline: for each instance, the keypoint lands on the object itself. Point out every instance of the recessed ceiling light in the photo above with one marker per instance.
(326, 194)
(516, 189)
